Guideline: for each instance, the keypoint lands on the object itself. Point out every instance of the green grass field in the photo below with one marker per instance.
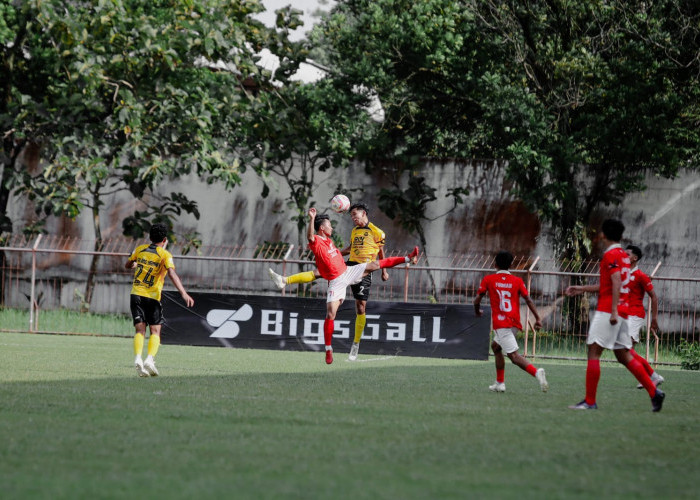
(77, 422)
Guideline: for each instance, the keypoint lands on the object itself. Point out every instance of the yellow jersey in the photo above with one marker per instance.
(365, 243)
(152, 263)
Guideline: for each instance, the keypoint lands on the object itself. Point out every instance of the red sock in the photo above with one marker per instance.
(638, 371)
(414, 253)
(500, 376)
(531, 369)
(592, 378)
(328, 327)
(645, 364)
(391, 262)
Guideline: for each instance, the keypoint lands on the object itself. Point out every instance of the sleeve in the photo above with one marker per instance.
(135, 252)
(168, 262)
(522, 288)
(313, 245)
(379, 236)
(646, 282)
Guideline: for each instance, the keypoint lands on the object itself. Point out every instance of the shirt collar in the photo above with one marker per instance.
(614, 245)
(502, 271)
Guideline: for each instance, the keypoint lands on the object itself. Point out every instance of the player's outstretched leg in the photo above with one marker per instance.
(396, 261)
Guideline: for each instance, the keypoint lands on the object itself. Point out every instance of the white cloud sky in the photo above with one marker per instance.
(307, 6)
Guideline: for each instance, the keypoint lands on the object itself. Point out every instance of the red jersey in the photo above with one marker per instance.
(504, 291)
(640, 284)
(615, 260)
(328, 259)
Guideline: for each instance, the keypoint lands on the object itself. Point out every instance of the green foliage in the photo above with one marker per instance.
(121, 95)
(582, 98)
(302, 130)
(690, 355)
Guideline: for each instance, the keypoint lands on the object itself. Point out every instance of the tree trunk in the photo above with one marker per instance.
(424, 243)
(90, 285)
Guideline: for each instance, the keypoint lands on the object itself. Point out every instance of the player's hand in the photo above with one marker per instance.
(385, 275)
(538, 324)
(189, 301)
(573, 290)
(613, 318)
(654, 327)
(312, 212)
(478, 312)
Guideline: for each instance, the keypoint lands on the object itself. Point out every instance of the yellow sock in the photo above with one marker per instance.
(360, 321)
(305, 277)
(153, 344)
(138, 344)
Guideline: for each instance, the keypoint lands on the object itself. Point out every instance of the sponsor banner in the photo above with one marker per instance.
(290, 323)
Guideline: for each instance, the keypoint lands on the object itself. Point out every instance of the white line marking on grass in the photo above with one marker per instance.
(370, 360)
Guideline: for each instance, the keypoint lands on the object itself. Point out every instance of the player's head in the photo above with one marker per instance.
(633, 250)
(613, 229)
(158, 233)
(319, 220)
(503, 260)
(358, 212)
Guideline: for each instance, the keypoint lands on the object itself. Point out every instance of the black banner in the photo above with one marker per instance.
(290, 323)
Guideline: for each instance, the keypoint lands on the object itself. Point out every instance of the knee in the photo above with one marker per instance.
(497, 349)
(360, 307)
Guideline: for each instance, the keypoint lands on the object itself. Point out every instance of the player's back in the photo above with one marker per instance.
(504, 291)
(615, 260)
(152, 263)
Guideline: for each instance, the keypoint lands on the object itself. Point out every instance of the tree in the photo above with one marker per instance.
(123, 94)
(582, 98)
(301, 131)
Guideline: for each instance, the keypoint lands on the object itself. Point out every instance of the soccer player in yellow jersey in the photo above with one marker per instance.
(366, 245)
(151, 263)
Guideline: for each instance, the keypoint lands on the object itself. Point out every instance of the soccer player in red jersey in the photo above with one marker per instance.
(505, 291)
(608, 329)
(332, 267)
(640, 284)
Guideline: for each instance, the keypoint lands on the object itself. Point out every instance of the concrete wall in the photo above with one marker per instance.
(663, 220)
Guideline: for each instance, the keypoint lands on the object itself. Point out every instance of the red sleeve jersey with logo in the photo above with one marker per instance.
(504, 291)
(615, 260)
(640, 284)
(328, 259)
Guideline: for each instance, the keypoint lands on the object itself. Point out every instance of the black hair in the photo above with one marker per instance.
(319, 220)
(360, 205)
(613, 229)
(635, 250)
(504, 259)
(158, 233)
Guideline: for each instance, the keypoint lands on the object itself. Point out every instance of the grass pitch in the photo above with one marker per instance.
(77, 422)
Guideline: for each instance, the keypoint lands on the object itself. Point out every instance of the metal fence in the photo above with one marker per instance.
(52, 274)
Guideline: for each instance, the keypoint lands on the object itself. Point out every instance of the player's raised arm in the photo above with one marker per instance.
(310, 229)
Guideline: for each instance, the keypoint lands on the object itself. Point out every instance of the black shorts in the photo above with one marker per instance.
(361, 290)
(145, 310)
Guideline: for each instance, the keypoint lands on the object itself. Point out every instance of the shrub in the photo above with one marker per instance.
(690, 355)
